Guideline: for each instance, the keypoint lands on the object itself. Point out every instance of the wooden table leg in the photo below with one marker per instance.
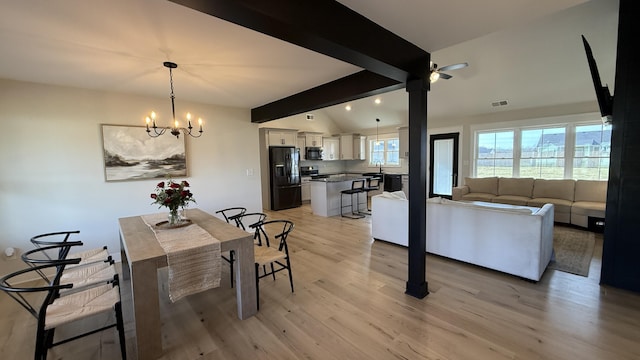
(245, 279)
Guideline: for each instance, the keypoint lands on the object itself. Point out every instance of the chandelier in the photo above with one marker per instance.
(175, 129)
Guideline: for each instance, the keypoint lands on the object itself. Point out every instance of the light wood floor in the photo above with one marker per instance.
(349, 303)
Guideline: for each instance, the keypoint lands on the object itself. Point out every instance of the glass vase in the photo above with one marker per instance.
(174, 216)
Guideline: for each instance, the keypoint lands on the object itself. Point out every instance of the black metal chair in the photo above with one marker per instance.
(276, 257)
(56, 311)
(231, 214)
(86, 256)
(373, 184)
(244, 221)
(81, 275)
(357, 187)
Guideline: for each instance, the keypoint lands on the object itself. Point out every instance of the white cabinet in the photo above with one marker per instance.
(360, 147)
(301, 145)
(403, 137)
(305, 182)
(313, 139)
(282, 137)
(346, 147)
(405, 185)
(330, 148)
(352, 147)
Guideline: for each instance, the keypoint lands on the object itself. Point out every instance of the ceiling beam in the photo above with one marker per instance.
(332, 29)
(356, 86)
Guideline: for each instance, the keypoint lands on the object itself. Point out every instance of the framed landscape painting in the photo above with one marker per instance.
(131, 154)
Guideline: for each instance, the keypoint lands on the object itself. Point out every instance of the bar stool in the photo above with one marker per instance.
(357, 187)
(372, 185)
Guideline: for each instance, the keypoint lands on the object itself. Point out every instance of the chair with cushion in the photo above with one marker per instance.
(357, 187)
(56, 311)
(274, 256)
(56, 238)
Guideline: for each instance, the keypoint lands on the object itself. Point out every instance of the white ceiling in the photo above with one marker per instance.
(119, 45)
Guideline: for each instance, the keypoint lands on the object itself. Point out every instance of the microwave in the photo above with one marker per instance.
(313, 153)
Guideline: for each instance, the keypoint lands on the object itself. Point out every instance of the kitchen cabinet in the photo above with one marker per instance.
(301, 145)
(352, 147)
(403, 138)
(360, 147)
(313, 139)
(331, 148)
(305, 182)
(282, 137)
(405, 185)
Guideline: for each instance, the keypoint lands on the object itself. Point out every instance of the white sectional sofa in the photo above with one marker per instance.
(574, 200)
(517, 240)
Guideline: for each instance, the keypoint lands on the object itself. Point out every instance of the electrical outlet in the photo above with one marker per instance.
(249, 172)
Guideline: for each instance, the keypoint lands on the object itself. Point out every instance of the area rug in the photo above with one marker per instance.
(573, 250)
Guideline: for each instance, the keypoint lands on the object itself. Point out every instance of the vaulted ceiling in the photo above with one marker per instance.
(120, 45)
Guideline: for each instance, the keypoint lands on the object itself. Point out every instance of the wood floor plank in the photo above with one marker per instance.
(349, 303)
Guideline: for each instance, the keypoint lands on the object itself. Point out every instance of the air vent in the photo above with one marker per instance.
(500, 103)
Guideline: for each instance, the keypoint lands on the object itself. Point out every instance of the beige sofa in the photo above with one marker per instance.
(574, 200)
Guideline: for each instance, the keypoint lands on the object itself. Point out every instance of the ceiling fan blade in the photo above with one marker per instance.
(454, 67)
(445, 76)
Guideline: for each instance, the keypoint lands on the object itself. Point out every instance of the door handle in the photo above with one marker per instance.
(455, 180)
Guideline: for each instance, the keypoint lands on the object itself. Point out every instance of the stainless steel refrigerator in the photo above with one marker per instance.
(286, 191)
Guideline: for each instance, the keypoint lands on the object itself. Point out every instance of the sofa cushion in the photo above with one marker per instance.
(488, 185)
(515, 186)
(591, 190)
(588, 208)
(511, 199)
(560, 205)
(554, 189)
(478, 197)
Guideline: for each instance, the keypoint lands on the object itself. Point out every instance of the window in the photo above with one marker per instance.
(542, 153)
(384, 152)
(591, 152)
(494, 154)
(578, 151)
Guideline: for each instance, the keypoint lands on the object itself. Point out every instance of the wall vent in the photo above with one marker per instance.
(500, 103)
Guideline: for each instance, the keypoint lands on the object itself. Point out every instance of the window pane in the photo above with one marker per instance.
(591, 152)
(393, 152)
(494, 153)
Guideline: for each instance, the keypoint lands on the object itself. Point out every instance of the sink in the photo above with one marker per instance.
(372, 174)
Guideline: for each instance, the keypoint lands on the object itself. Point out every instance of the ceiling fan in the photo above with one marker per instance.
(437, 73)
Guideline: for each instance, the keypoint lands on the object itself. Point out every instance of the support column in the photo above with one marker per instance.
(416, 283)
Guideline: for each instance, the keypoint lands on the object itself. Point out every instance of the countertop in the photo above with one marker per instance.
(341, 178)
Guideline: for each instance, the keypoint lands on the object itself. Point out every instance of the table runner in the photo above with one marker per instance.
(193, 257)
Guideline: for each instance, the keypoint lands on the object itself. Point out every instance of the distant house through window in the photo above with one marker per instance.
(575, 151)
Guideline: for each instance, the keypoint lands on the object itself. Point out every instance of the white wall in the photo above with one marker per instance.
(52, 175)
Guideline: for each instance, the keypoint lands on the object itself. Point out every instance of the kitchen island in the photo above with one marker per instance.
(325, 195)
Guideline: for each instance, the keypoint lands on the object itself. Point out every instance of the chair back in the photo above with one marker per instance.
(373, 184)
(53, 238)
(52, 254)
(357, 185)
(53, 289)
(276, 229)
(231, 214)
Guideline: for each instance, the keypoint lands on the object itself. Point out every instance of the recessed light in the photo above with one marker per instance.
(348, 107)
(377, 101)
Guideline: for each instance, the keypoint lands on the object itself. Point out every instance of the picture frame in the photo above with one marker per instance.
(131, 154)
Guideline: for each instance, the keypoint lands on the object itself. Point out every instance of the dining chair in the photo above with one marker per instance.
(372, 185)
(61, 237)
(81, 275)
(275, 256)
(57, 311)
(230, 216)
(244, 221)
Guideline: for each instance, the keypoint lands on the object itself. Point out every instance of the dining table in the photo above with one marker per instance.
(142, 257)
